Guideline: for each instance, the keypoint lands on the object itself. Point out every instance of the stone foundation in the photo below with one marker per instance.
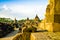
(45, 36)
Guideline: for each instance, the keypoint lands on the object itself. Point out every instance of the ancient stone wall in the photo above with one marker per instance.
(53, 15)
(45, 36)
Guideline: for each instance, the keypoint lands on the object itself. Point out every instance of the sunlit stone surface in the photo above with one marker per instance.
(45, 36)
(52, 17)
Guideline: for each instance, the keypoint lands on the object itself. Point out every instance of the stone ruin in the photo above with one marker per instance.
(52, 17)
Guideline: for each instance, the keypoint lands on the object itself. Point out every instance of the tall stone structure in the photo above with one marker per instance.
(52, 20)
(15, 21)
(15, 24)
(36, 18)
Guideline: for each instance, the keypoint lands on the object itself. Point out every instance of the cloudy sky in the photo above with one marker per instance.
(21, 9)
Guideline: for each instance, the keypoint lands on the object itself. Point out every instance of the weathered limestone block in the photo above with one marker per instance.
(41, 25)
(49, 27)
(32, 37)
(57, 6)
(45, 36)
(56, 27)
(57, 18)
(53, 16)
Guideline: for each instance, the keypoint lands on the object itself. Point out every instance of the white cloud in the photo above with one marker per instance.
(23, 11)
(5, 7)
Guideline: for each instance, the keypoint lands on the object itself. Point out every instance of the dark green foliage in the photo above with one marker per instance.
(5, 29)
(5, 20)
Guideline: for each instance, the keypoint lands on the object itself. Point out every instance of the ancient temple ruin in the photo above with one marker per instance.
(52, 17)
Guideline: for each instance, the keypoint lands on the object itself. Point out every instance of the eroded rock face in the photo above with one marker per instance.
(57, 6)
(50, 11)
(53, 15)
(53, 11)
(57, 11)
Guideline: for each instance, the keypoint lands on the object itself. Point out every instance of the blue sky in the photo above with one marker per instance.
(21, 9)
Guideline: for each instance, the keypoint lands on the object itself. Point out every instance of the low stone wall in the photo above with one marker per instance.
(56, 27)
(22, 36)
(45, 36)
(49, 27)
(17, 36)
(46, 26)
